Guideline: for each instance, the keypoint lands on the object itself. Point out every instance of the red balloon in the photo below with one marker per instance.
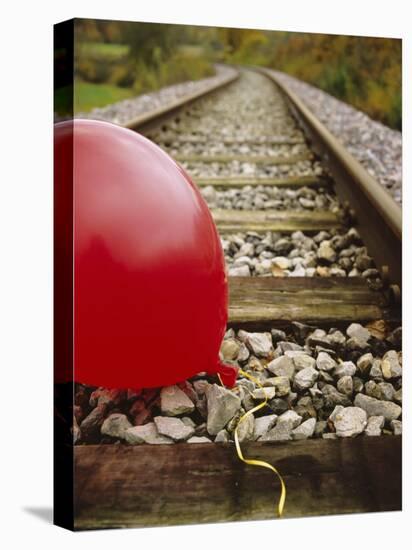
(150, 288)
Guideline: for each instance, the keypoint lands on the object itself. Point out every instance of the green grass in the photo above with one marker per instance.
(101, 50)
(88, 95)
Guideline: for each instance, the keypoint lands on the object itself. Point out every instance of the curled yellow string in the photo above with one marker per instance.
(252, 461)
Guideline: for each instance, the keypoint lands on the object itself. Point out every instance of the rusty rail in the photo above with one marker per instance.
(147, 121)
(378, 217)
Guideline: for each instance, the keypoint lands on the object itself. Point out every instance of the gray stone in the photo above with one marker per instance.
(200, 387)
(173, 428)
(363, 262)
(372, 389)
(196, 439)
(364, 363)
(242, 336)
(201, 429)
(323, 342)
(376, 371)
(283, 246)
(374, 426)
(247, 249)
(387, 391)
(281, 262)
(260, 343)
(304, 408)
(305, 378)
(303, 361)
(263, 424)
(240, 271)
(264, 393)
(357, 384)
(325, 362)
(345, 385)
(289, 417)
(345, 368)
(174, 401)
(396, 426)
(357, 344)
(145, 434)
(397, 397)
(243, 354)
(338, 409)
(337, 338)
(105, 396)
(278, 405)
(222, 437)
(291, 398)
(326, 253)
(315, 391)
(390, 365)
(188, 422)
(375, 407)
(305, 430)
(246, 384)
(282, 366)
(332, 397)
(230, 349)
(115, 425)
(317, 334)
(229, 334)
(233, 422)
(91, 424)
(222, 405)
(281, 432)
(349, 422)
(281, 383)
(245, 428)
(325, 377)
(321, 236)
(277, 335)
(291, 349)
(355, 330)
(301, 330)
(188, 389)
(246, 398)
(337, 272)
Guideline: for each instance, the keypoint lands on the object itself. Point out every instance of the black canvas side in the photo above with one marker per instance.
(63, 282)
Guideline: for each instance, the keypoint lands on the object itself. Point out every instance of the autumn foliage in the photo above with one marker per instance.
(365, 72)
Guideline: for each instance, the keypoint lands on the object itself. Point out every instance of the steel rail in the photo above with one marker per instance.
(147, 121)
(377, 215)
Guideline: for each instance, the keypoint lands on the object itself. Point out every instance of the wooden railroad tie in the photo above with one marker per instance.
(256, 159)
(148, 485)
(283, 221)
(241, 181)
(199, 139)
(265, 302)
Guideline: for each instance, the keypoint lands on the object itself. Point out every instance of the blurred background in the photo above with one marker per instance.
(117, 60)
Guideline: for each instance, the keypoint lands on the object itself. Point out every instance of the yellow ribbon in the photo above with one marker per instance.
(252, 461)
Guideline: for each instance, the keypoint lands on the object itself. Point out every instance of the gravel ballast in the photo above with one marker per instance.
(313, 390)
(377, 147)
(335, 253)
(126, 110)
(320, 382)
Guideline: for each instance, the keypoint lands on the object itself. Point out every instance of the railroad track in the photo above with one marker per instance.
(276, 181)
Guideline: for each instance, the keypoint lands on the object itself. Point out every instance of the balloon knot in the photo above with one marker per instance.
(228, 373)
